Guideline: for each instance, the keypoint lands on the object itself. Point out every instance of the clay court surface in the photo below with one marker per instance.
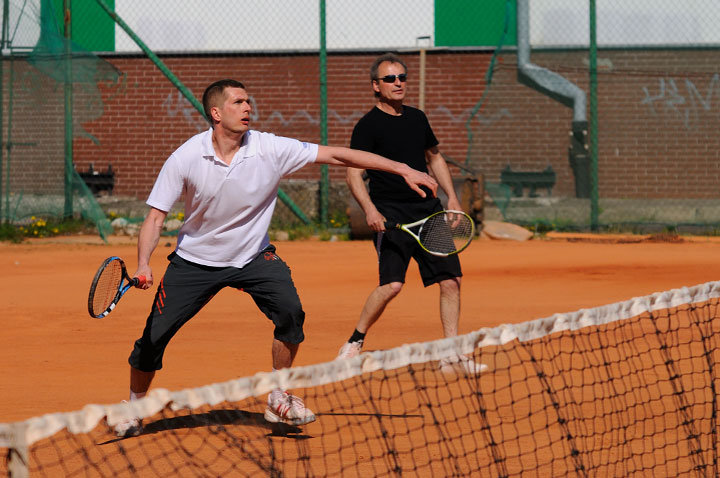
(56, 358)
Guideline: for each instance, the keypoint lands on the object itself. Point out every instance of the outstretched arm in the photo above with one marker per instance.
(363, 160)
(147, 241)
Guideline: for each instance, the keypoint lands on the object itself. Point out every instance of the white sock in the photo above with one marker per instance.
(136, 396)
(277, 394)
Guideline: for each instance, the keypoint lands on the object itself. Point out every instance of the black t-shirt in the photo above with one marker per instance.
(404, 139)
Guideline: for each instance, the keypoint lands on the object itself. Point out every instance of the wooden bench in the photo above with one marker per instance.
(518, 181)
(97, 181)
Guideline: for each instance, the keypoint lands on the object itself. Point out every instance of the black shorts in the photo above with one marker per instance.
(395, 248)
(187, 287)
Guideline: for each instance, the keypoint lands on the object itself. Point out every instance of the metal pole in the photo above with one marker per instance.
(154, 58)
(185, 92)
(8, 139)
(68, 90)
(324, 179)
(421, 42)
(3, 45)
(421, 92)
(594, 199)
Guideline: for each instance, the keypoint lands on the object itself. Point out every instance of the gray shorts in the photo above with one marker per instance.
(186, 287)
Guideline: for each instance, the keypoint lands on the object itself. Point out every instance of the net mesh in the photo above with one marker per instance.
(619, 390)
(49, 89)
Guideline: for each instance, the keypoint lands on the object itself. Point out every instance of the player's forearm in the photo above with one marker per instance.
(357, 188)
(442, 175)
(375, 220)
(356, 158)
(149, 236)
(363, 160)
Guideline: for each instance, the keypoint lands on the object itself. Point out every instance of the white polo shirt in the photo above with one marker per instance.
(227, 207)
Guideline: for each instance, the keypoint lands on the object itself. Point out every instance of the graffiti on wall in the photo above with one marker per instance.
(686, 101)
(175, 104)
(482, 119)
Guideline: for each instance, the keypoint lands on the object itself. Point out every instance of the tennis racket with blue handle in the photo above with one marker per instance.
(110, 283)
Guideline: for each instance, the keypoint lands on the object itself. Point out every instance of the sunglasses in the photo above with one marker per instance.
(391, 78)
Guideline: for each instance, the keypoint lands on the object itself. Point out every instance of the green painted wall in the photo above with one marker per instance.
(92, 28)
(474, 22)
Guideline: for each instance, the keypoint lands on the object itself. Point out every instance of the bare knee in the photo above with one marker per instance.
(450, 286)
(391, 289)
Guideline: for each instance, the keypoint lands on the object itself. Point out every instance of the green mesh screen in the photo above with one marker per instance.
(49, 88)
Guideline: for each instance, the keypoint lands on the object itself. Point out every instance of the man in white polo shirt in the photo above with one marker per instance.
(230, 177)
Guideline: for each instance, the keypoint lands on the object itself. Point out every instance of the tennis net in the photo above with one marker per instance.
(620, 390)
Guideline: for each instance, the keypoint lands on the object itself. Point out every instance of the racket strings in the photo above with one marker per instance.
(446, 233)
(107, 287)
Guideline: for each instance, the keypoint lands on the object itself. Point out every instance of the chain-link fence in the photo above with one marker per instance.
(571, 114)
(614, 106)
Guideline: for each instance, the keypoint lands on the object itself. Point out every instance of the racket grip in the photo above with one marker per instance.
(139, 281)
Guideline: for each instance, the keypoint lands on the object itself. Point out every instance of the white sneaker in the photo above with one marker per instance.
(287, 408)
(130, 427)
(461, 363)
(350, 350)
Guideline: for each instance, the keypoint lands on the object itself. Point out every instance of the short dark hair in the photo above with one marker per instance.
(391, 57)
(212, 92)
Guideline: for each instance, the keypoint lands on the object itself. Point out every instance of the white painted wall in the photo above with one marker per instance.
(273, 24)
(625, 22)
(262, 25)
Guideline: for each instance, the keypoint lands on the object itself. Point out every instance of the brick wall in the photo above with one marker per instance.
(658, 114)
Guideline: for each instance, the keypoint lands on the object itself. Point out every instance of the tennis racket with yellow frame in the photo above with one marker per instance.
(443, 233)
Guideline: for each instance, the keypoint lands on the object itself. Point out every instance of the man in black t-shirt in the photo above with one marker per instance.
(402, 133)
